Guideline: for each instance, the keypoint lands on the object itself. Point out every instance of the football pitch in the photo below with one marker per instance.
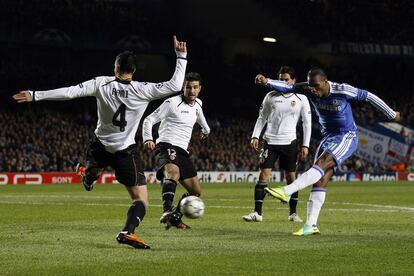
(367, 228)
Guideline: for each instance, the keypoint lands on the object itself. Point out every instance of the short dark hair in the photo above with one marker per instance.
(193, 76)
(126, 62)
(316, 71)
(287, 70)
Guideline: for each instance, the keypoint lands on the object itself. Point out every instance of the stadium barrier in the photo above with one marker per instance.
(205, 177)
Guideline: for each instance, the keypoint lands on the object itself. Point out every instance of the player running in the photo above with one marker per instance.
(281, 112)
(121, 103)
(177, 116)
(332, 104)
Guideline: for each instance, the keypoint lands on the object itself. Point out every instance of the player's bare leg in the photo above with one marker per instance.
(192, 185)
(135, 215)
(293, 202)
(259, 194)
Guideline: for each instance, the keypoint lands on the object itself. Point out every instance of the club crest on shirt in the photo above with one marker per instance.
(292, 103)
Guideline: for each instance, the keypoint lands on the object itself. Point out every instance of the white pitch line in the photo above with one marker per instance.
(212, 206)
(374, 205)
(405, 208)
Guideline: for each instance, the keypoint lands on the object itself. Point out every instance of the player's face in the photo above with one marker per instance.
(318, 86)
(286, 77)
(191, 90)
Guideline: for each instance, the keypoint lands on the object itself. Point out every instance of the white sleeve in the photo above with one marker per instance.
(153, 91)
(201, 120)
(87, 88)
(306, 115)
(381, 105)
(159, 114)
(262, 119)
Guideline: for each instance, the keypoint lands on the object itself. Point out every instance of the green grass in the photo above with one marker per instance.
(367, 228)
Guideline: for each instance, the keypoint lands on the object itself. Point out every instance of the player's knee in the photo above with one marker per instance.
(325, 162)
(172, 172)
(264, 175)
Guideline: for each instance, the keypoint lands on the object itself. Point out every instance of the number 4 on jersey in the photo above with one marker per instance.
(121, 123)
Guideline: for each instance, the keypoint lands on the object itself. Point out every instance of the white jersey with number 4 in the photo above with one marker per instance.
(121, 104)
(281, 112)
(177, 122)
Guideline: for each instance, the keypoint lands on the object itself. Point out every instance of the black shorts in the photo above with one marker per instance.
(287, 155)
(126, 163)
(166, 153)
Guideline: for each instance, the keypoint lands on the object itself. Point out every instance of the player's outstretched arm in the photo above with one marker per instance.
(153, 91)
(155, 117)
(382, 106)
(84, 89)
(205, 128)
(277, 85)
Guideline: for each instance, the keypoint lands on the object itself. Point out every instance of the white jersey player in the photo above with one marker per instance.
(281, 113)
(121, 103)
(178, 116)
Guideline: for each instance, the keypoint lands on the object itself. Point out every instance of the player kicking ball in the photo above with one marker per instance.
(339, 139)
(281, 113)
(177, 116)
(121, 103)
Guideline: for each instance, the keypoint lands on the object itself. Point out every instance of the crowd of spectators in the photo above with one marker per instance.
(42, 140)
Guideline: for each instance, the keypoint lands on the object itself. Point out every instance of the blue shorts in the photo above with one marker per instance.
(340, 145)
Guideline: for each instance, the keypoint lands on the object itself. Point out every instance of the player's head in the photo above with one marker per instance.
(192, 86)
(318, 82)
(287, 74)
(125, 63)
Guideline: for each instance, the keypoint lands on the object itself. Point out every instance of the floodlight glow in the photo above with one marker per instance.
(269, 39)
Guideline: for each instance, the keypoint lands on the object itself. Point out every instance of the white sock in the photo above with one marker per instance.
(308, 178)
(316, 200)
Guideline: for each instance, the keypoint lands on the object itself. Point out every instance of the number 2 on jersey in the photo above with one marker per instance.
(121, 123)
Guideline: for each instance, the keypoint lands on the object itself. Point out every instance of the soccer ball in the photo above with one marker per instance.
(192, 207)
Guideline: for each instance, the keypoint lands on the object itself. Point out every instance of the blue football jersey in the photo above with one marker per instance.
(334, 111)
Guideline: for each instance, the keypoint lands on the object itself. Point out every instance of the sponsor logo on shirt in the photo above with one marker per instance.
(335, 106)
